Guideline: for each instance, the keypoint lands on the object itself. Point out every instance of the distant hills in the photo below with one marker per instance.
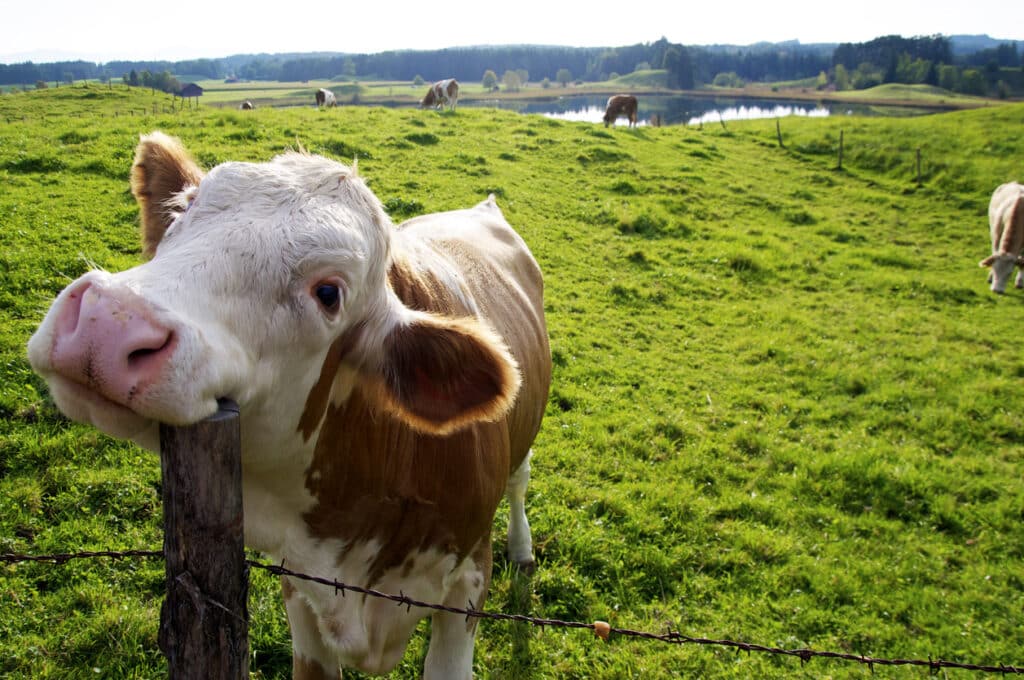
(969, 44)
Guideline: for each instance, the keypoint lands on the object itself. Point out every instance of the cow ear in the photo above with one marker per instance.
(987, 262)
(440, 374)
(162, 168)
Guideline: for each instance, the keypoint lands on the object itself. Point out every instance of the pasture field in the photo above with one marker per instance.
(786, 409)
(217, 93)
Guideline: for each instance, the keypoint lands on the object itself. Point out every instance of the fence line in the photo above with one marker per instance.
(600, 628)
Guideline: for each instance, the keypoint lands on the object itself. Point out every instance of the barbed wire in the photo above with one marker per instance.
(600, 628)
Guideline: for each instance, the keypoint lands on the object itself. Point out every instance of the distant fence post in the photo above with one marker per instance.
(918, 166)
(204, 621)
(840, 167)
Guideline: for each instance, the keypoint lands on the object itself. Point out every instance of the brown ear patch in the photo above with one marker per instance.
(161, 169)
(442, 374)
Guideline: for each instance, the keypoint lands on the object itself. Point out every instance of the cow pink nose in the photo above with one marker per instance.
(109, 342)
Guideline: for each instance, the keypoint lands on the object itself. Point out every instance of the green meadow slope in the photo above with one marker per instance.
(786, 409)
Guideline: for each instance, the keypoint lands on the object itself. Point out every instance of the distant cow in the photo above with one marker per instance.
(325, 98)
(390, 383)
(620, 105)
(1006, 224)
(442, 93)
(247, 106)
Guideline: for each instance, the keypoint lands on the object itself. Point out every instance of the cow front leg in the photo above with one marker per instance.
(450, 655)
(1019, 282)
(520, 542)
(311, 659)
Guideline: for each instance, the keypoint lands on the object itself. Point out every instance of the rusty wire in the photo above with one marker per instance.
(670, 636)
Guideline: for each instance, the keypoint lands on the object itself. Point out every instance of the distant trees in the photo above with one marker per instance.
(931, 60)
(512, 81)
(922, 60)
(841, 78)
(729, 79)
(162, 81)
(679, 68)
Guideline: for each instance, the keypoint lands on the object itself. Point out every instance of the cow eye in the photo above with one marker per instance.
(329, 296)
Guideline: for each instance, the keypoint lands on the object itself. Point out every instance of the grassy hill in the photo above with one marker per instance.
(784, 407)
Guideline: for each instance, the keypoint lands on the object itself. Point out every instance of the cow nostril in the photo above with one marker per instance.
(137, 356)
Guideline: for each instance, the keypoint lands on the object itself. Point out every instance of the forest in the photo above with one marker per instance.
(974, 65)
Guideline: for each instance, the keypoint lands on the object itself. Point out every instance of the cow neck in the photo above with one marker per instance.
(316, 401)
(374, 478)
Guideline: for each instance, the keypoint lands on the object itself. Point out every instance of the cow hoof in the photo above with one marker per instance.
(527, 567)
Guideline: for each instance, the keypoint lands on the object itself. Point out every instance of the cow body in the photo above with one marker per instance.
(325, 97)
(1006, 227)
(620, 105)
(390, 383)
(442, 93)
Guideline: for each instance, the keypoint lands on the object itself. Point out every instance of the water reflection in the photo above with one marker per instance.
(676, 110)
(750, 112)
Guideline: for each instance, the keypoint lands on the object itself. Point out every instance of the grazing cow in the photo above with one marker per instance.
(442, 93)
(390, 383)
(325, 98)
(620, 105)
(247, 106)
(1006, 223)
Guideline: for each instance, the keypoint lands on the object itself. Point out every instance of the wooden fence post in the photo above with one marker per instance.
(778, 133)
(204, 620)
(918, 166)
(840, 150)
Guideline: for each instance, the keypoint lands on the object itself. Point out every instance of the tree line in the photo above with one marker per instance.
(932, 59)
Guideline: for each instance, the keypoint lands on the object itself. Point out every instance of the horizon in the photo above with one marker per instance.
(69, 57)
(52, 30)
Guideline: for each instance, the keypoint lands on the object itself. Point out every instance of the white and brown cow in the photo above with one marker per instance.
(390, 382)
(442, 93)
(325, 97)
(620, 105)
(1006, 226)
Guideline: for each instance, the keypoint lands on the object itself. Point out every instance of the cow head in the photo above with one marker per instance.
(1002, 265)
(261, 277)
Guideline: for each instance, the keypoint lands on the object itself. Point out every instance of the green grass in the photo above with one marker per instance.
(784, 409)
(910, 93)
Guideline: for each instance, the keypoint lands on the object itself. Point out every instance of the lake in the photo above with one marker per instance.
(680, 110)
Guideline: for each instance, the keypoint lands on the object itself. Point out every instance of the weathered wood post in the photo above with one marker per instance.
(778, 133)
(840, 150)
(918, 166)
(204, 620)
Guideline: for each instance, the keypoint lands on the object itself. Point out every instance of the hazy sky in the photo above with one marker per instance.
(52, 30)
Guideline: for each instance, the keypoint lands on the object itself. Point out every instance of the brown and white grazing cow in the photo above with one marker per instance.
(325, 98)
(1006, 224)
(620, 105)
(390, 382)
(442, 93)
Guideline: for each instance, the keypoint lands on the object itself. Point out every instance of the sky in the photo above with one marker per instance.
(58, 30)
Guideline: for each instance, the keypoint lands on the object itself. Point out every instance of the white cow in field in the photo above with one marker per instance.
(325, 97)
(1006, 223)
(390, 383)
(442, 93)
